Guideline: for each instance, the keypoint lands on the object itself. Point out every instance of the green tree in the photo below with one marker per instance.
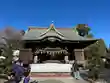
(84, 30)
(95, 62)
(11, 40)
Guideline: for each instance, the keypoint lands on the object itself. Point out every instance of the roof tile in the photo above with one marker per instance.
(69, 34)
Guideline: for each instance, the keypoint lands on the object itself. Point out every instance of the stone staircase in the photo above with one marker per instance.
(53, 73)
(55, 78)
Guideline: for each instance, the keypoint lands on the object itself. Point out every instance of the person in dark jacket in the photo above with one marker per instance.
(26, 73)
(75, 70)
(19, 71)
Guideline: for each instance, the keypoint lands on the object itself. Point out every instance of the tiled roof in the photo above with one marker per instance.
(35, 33)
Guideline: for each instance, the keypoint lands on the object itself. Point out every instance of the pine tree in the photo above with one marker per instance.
(12, 41)
(95, 61)
(84, 30)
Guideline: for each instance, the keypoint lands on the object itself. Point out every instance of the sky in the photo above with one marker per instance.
(65, 13)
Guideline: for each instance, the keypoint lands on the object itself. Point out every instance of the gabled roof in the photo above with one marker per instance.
(35, 33)
(52, 31)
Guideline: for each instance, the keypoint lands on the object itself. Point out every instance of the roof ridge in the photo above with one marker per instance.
(47, 28)
(52, 27)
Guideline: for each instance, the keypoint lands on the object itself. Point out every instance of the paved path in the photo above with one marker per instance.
(55, 78)
(58, 80)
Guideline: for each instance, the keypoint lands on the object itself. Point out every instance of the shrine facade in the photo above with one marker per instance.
(63, 44)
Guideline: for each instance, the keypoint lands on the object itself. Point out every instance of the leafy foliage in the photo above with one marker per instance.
(94, 53)
(11, 41)
(84, 30)
(95, 62)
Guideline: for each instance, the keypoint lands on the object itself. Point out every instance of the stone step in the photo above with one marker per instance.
(50, 75)
(55, 78)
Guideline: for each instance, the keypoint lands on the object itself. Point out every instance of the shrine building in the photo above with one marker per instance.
(52, 43)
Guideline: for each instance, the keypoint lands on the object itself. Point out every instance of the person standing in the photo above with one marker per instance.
(26, 74)
(19, 70)
(75, 70)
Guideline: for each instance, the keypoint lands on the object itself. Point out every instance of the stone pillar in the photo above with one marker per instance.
(79, 56)
(66, 59)
(35, 59)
